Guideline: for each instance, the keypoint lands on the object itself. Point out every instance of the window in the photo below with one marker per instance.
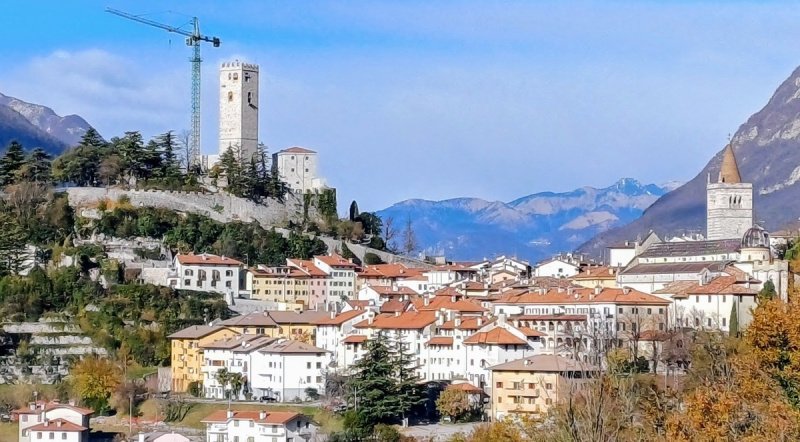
(24, 418)
(620, 310)
(230, 96)
(724, 321)
(548, 401)
(549, 386)
(708, 321)
(709, 298)
(723, 298)
(228, 272)
(235, 438)
(235, 75)
(63, 436)
(308, 365)
(249, 98)
(251, 439)
(235, 423)
(499, 385)
(38, 434)
(51, 435)
(649, 311)
(499, 399)
(308, 379)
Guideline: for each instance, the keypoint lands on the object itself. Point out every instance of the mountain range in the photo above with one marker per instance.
(531, 227)
(34, 125)
(767, 149)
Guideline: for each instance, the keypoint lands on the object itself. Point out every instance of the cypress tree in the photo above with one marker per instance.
(734, 320)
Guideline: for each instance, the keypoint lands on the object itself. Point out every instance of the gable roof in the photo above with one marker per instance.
(335, 260)
(307, 267)
(339, 319)
(297, 149)
(207, 259)
(544, 363)
(393, 305)
(272, 417)
(387, 290)
(405, 320)
(447, 303)
(623, 296)
(496, 336)
(58, 425)
(52, 405)
(666, 268)
(692, 248)
(196, 331)
(292, 346)
(240, 343)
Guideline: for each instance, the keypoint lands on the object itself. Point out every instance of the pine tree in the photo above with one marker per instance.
(37, 166)
(354, 210)
(11, 162)
(231, 168)
(371, 390)
(167, 146)
(407, 391)
(767, 292)
(131, 150)
(12, 245)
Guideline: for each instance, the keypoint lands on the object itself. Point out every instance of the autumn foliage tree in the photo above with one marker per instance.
(94, 381)
(453, 403)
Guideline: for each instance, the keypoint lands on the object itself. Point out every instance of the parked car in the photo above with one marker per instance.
(267, 399)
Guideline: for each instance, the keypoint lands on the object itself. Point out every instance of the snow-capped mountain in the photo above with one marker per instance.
(532, 227)
(46, 129)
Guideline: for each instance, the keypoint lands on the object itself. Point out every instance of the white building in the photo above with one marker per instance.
(234, 355)
(208, 273)
(557, 268)
(333, 330)
(53, 421)
(729, 201)
(297, 167)
(268, 426)
(238, 109)
(341, 277)
(286, 369)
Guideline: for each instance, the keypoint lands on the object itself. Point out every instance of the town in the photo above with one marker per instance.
(151, 291)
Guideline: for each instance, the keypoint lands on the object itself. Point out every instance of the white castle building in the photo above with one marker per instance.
(238, 108)
(297, 167)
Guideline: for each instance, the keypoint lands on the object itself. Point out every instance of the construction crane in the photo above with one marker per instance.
(193, 39)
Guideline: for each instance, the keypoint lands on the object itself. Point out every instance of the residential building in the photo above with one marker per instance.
(251, 426)
(297, 325)
(286, 369)
(53, 421)
(187, 353)
(386, 275)
(234, 355)
(532, 385)
(558, 267)
(443, 276)
(333, 330)
(208, 273)
(379, 294)
(298, 282)
(341, 277)
(594, 276)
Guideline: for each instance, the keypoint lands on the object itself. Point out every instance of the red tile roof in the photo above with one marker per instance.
(48, 406)
(548, 317)
(307, 267)
(406, 320)
(393, 306)
(624, 296)
(447, 303)
(441, 340)
(58, 425)
(598, 272)
(387, 290)
(355, 339)
(465, 386)
(467, 323)
(206, 259)
(529, 332)
(335, 260)
(389, 271)
(339, 319)
(497, 335)
(358, 304)
(272, 417)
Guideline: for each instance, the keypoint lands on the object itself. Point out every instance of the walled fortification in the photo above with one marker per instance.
(220, 207)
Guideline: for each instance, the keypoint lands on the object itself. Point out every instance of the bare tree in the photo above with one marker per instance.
(389, 233)
(409, 238)
(186, 150)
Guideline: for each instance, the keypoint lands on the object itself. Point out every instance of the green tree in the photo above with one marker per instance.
(734, 320)
(11, 162)
(354, 211)
(168, 146)
(224, 378)
(12, 245)
(408, 393)
(767, 292)
(37, 167)
(131, 150)
(371, 390)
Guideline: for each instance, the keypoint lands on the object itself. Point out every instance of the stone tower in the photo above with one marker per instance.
(729, 201)
(238, 108)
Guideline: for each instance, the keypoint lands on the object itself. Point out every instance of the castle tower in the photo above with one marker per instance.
(729, 201)
(238, 108)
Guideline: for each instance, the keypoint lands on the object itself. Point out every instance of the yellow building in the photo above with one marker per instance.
(297, 325)
(187, 356)
(533, 384)
(300, 282)
(591, 277)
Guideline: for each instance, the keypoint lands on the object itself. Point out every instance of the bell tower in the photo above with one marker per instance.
(729, 201)
(238, 109)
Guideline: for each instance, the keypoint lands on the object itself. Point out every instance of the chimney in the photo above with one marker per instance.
(501, 318)
(626, 290)
(453, 298)
(527, 362)
(426, 300)
(480, 322)
(560, 289)
(458, 321)
(597, 289)
(32, 405)
(397, 313)
(141, 437)
(333, 314)
(58, 423)
(229, 414)
(262, 415)
(395, 288)
(570, 291)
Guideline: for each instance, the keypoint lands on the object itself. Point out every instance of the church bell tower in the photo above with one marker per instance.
(729, 201)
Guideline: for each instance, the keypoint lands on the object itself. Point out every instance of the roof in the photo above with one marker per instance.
(53, 425)
(406, 320)
(339, 319)
(307, 267)
(335, 260)
(544, 363)
(467, 323)
(729, 170)
(529, 332)
(272, 318)
(207, 259)
(624, 296)
(48, 406)
(673, 267)
(447, 303)
(598, 272)
(196, 331)
(623, 245)
(465, 386)
(548, 317)
(721, 285)
(389, 271)
(240, 343)
(359, 304)
(272, 417)
(497, 336)
(354, 339)
(292, 346)
(387, 290)
(441, 340)
(393, 306)
(297, 149)
(692, 248)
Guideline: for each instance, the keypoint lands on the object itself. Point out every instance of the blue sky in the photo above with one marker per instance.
(428, 99)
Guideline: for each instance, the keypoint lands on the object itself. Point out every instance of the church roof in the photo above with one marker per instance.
(729, 170)
(691, 248)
